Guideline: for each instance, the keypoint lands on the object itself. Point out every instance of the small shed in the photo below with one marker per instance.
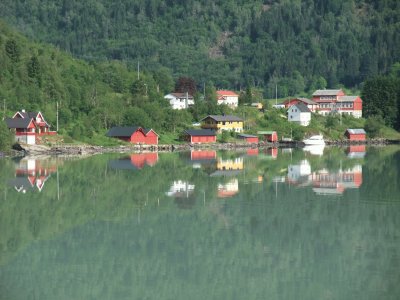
(200, 136)
(355, 134)
(135, 135)
(248, 138)
(269, 136)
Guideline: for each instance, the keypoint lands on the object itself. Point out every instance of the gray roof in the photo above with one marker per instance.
(243, 135)
(308, 101)
(125, 131)
(224, 118)
(181, 95)
(356, 131)
(302, 107)
(326, 92)
(200, 132)
(18, 122)
(347, 98)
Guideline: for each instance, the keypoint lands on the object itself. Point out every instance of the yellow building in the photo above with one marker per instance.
(224, 122)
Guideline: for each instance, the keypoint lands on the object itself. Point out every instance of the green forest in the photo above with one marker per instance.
(107, 64)
(298, 45)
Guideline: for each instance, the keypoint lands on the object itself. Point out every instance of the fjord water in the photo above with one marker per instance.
(257, 224)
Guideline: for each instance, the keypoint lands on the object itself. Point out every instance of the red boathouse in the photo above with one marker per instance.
(355, 134)
(248, 138)
(200, 136)
(134, 135)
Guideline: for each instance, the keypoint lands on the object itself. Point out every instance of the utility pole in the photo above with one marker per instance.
(4, 109)
(276, 94)
(57, 115)
(138, 69)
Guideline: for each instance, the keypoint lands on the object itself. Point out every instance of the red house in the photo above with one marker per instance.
(248, 138)
(312, 105)
(337, 101)
(200, 136)
(28, 126)
(269, 136)
(355, 134)
(139, 160)
(134, 135)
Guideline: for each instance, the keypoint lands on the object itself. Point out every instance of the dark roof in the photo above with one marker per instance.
(125, 131)
(200, 132)
(308, 101)
(122, 131)
(243, 135)
(224, 118)
(356, 131)
(18, 122)
(302, 107)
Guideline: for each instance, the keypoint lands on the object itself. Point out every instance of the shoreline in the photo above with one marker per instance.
(81, 150)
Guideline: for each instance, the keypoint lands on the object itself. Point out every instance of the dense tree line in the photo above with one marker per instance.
(297, 45)
(381, 95)
(91, 97)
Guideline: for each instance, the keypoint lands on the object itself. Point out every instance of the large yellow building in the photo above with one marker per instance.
(224, 122)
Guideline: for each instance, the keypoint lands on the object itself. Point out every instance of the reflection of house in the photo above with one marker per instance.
(325, 182)
(135, 161)
(230, 164)
(180, 188)
(28, 126)
(183, 192)
(298, 174)
(31, 173)
(299, 113)
(199, 158)
(228, 98)
(329, 183)
(228, 189)
(314, 149)
(180, 100)
(228, 167)
(200, 136)
(336, 101)
(252, 152)
(356, 151)
(223, 122)
(135, 135)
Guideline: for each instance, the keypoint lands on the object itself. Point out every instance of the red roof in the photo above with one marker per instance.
(226, 93)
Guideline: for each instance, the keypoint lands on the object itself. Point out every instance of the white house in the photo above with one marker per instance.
(180, 100)
(228, 98)
(299, 113)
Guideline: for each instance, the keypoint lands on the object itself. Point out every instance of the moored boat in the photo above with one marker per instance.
(314, 140)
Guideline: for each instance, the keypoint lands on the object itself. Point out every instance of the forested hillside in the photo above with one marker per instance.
(92, 96)
(299, 45)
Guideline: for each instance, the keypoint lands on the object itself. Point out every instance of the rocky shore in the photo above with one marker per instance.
(78, 150)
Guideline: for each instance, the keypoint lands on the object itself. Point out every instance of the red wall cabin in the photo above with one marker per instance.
(135, 135)
(200, 136)
(355, 134)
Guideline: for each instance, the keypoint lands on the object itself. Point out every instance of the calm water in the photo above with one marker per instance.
(274, 224)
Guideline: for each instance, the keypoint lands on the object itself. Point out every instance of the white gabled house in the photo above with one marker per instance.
(228, 98)
(180, 100)
(299, 113)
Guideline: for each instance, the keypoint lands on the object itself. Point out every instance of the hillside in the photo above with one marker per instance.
(299, 45)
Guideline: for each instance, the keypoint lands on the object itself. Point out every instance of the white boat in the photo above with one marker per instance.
(314, 140)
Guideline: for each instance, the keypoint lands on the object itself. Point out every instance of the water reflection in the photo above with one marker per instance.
(315, 149)
(160, 231)
(324, 181)
(31, 174)
(136, 161)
